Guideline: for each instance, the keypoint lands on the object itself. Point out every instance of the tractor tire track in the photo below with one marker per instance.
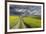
(21, 25)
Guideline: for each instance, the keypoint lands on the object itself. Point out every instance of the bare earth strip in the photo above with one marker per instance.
(19, 25)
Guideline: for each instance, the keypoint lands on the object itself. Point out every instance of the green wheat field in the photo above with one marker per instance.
(29, 21)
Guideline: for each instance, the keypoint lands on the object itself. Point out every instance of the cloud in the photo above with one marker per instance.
(29, 10)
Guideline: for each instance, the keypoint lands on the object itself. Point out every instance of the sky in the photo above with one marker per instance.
(25, 10)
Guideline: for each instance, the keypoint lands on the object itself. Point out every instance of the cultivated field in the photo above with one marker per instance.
(28, 22)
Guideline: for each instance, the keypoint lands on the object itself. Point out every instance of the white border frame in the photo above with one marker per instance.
(29, 29)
